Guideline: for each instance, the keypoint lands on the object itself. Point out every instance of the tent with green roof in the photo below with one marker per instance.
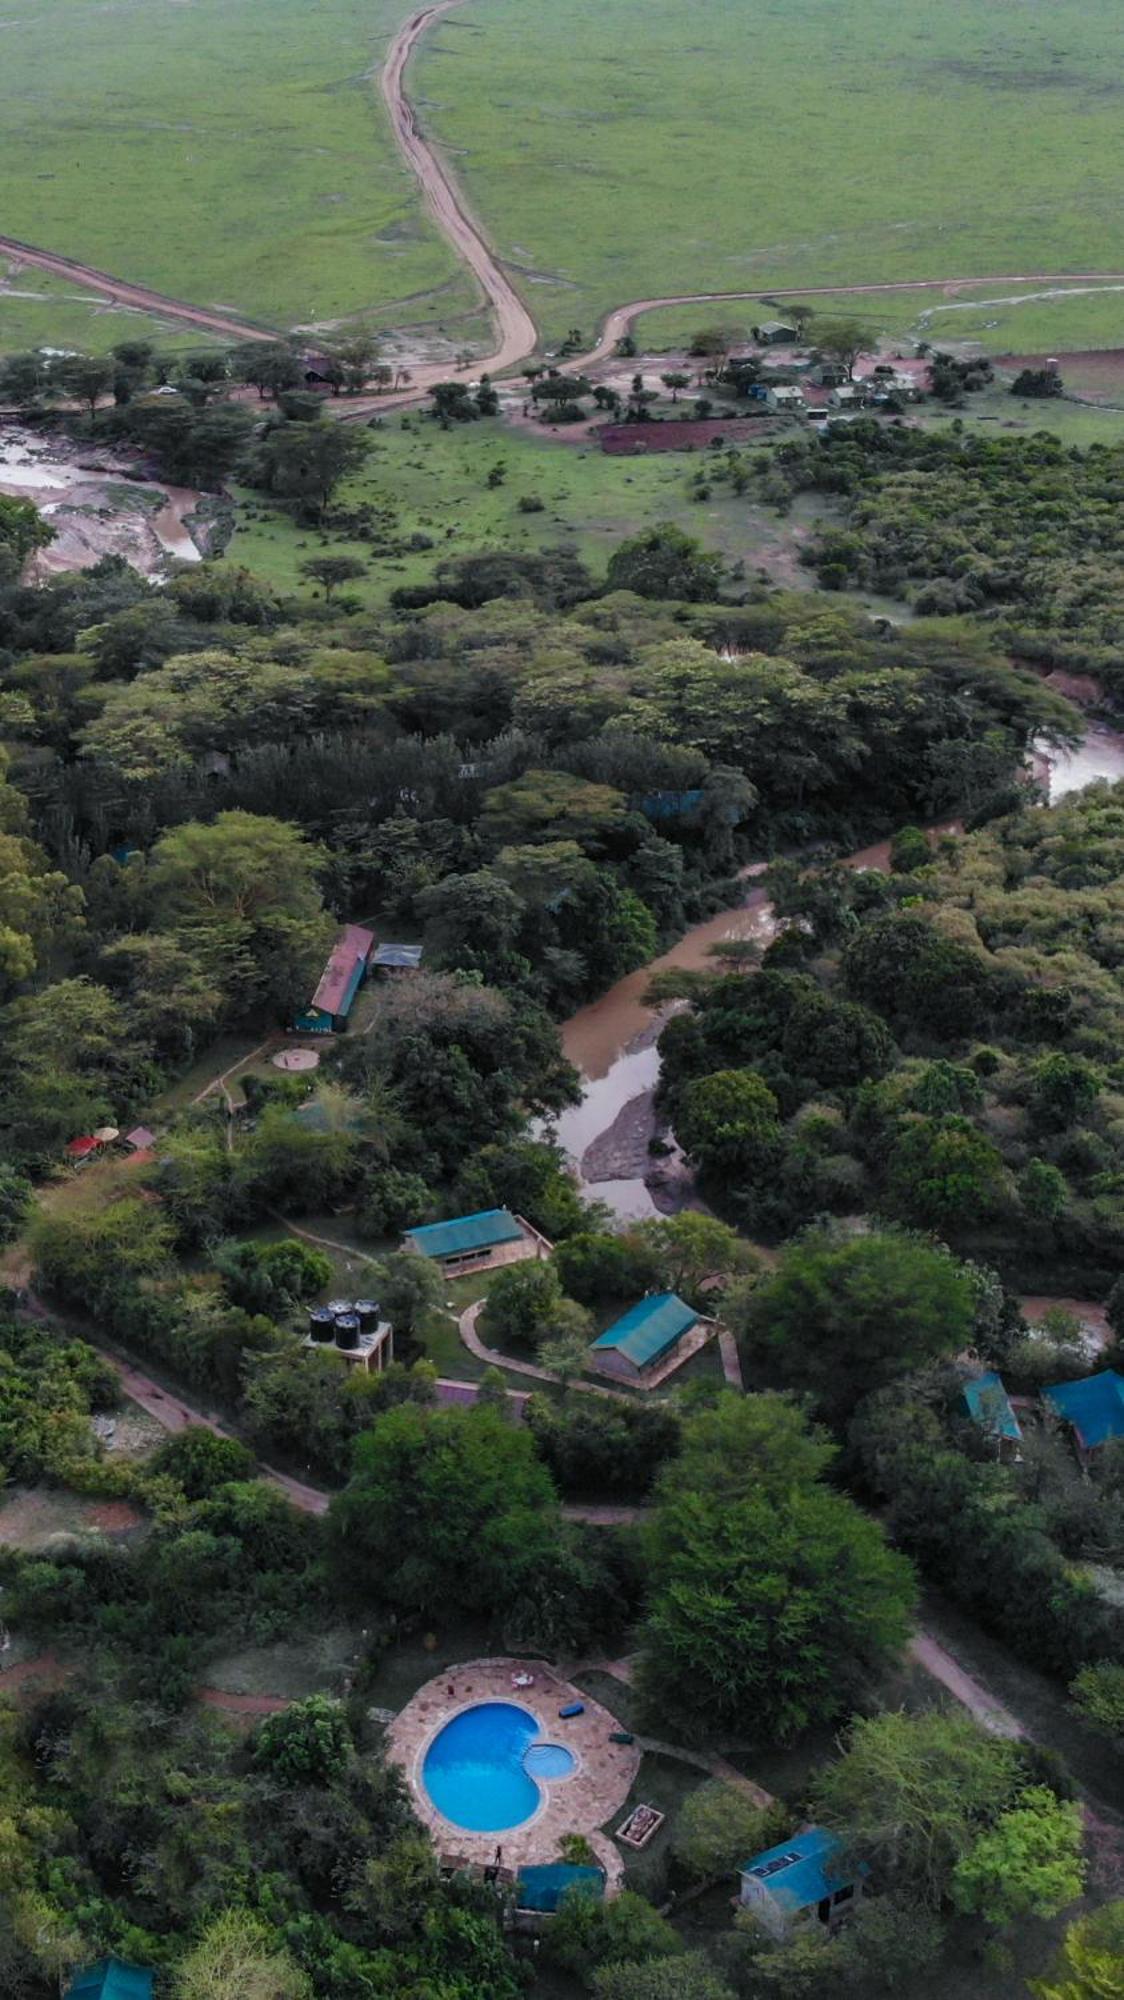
(112, 1979)
(645, 1336)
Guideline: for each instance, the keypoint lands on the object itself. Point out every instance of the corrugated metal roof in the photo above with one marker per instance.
(344, 970)
(800, 1871)
(649, 1328)
(1095, 1407)
(112, 1979)
(406, 956)
(990, 1406)
(543, 1886)
(465, 1232)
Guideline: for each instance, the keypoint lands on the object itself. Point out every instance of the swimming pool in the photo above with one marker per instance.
(480, 1770)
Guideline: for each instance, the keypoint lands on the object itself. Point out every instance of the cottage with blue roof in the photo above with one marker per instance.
(479, 1242)
(1094, 1407)
(990, 1407)
(800, 1880)
(650, 1339)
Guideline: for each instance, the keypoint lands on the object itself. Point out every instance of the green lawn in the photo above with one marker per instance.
(37, 310)
(230, 152)
(628, 150)
(434, 483)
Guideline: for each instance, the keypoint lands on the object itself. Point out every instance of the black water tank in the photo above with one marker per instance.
(367, 1313)
(347, 1330)
(337, 1306)
(321, 1323)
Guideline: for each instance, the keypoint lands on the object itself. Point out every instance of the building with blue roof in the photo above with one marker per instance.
(541, 1887)
(479, 1242)
(646, 1338)
(989, 1406)
(111, 1979)
(1094, 1407)
(800, 1880)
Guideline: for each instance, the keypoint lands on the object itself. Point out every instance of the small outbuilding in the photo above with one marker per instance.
(650, 1340)
(1094, 1407)
(989, 1406)
(774, 333)
(112, 1979)
(786, 398)
(480, 1242)
(340, 981)
(82, 1147)
(540, 1888)
(397, 958)
(802, 1880)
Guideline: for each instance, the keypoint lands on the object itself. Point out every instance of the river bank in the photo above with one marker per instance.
(100, 503)
(612, 1042)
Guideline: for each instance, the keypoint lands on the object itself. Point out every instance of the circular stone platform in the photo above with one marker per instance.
(296, 1059)
(582, 1803)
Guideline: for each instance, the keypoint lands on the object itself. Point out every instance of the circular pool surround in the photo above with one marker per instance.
(483, 1769)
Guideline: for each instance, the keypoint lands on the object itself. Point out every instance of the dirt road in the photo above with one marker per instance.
(515, 328)
(126, 294)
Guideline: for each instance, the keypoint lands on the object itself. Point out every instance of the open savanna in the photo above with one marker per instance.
(1001, 319)
(37, 310)
(436, 482)
(635, 149)
(229, 152)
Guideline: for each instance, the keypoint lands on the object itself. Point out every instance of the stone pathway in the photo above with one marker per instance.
(731, 1359)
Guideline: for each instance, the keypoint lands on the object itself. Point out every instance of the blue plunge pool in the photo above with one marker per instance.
(480, 1771)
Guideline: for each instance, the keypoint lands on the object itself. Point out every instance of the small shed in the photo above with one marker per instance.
(786, 398)
(479, 1242)
(800, 1880)
(541, 1888)
(1094, 1407)
(397, 958)
(82, 1147)
(775, 333)
(340, 981)
(989, 1406)
(647, 1337)
(140, 1139)
(111, 1979)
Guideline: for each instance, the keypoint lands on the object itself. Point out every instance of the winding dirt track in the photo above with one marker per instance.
(517, 335)
(126, 294)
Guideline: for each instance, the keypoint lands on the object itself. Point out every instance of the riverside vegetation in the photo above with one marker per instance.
(543, 775)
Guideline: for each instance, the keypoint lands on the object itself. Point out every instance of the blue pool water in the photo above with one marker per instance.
(478, 1769)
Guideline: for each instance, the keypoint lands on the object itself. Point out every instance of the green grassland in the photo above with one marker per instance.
(37, 310)
(435, 482)
(229, 152)
(632, 150)
(1002, 319)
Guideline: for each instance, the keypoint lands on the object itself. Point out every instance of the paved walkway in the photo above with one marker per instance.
(927, 1652)
(731, 1359)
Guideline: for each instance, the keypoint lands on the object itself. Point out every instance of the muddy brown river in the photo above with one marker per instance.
(98, 504)
(613, 1040)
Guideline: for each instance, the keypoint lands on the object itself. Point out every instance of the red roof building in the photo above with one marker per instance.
(342, 977)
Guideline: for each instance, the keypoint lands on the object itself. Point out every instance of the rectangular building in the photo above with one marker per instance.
(479, 1242)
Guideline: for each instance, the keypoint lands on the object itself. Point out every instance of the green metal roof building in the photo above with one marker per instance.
(112, 1979)
(645, 1336)
(477, 1242)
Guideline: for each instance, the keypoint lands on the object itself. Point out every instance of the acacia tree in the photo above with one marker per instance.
(843, 340)
(913, 1793)
(1091, 1963)
(1028, 1864)
(239, 1954)
(770, 1592)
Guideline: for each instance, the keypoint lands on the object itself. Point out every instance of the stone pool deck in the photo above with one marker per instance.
(581, 1803)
